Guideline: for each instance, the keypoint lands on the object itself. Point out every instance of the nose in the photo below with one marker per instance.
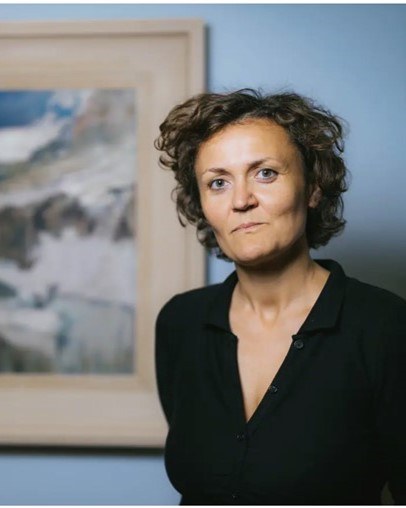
(243, 197)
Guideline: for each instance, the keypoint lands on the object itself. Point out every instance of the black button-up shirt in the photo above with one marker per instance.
(331, 428)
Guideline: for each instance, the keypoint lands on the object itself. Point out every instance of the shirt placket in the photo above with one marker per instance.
(277, 389)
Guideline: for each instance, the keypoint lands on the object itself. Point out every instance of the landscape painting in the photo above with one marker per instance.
(67, 231)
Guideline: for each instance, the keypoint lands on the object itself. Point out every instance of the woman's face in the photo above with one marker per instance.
(253, 192)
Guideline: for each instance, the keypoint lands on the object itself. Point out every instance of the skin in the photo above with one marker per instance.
(254, 196)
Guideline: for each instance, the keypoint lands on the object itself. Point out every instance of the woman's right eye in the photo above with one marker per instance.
(218, 183)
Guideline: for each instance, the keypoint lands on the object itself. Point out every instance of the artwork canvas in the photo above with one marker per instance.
(90, 243)
(67, 231)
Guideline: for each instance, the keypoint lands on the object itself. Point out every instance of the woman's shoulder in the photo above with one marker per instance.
(375, 304)
(371, 295)
(187, 306)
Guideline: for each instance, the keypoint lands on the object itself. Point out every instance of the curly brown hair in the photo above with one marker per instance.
(317, 134)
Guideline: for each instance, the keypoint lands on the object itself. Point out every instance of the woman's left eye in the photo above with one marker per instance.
(266, 173)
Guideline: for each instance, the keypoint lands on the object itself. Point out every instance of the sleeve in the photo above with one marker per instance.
(166, 347)
(391, 408)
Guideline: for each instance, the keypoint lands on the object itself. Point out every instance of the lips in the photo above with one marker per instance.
(246, 226)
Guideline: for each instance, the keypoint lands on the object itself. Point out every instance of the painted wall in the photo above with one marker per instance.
(352, 58)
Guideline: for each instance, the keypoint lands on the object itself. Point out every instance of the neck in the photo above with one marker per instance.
(280, 284)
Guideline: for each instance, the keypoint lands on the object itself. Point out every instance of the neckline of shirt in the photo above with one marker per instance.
(323, 315)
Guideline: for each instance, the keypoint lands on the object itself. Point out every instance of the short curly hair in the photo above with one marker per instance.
(317, 134)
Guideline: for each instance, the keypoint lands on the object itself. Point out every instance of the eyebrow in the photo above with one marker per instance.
(251, 165)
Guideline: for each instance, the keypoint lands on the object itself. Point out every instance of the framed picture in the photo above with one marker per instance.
(90, 244)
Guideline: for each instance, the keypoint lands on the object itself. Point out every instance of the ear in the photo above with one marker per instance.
(315, 197)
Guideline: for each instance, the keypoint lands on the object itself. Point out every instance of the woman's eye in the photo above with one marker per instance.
(266, 173)
(218, 183)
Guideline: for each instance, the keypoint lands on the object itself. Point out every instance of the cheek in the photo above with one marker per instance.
(211, 212)
(288, 211)
(291, 201)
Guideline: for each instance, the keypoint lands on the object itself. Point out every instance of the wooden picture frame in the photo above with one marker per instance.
(164, 61)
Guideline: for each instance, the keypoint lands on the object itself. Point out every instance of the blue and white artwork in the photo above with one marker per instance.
(67, 231)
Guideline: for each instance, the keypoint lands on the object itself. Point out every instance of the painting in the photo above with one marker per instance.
(90, 243)
(67, 250)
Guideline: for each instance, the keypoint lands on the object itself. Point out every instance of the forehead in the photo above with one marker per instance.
(240, 143)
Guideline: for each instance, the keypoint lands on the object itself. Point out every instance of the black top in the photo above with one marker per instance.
(331, 428)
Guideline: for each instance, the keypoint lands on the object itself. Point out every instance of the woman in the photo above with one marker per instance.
(286, 383)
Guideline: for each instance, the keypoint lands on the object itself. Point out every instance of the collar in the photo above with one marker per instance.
(323, 315)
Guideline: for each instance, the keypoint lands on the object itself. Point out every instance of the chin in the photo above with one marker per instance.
(250, 257)
(256, 256)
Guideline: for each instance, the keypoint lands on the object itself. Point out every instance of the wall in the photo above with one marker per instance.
(352, 58)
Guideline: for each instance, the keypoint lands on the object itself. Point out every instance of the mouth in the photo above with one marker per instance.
(247, 226)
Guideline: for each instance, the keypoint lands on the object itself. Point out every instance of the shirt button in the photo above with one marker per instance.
(241, 437)
(298, 344)
(273, 389)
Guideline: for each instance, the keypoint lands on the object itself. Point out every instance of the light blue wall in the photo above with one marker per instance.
(352, 58)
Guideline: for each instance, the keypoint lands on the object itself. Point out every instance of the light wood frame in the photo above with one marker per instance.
(164, 61)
